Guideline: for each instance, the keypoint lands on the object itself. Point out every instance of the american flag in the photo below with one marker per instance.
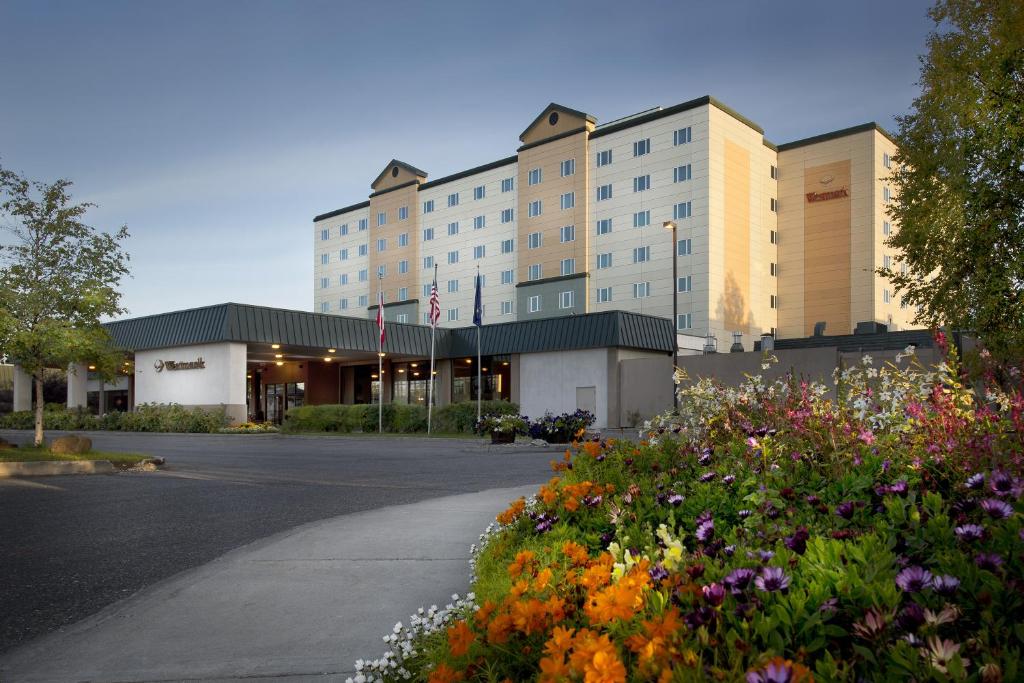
(380, 317)
(435, 303)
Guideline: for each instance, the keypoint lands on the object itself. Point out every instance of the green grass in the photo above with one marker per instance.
(33, 454)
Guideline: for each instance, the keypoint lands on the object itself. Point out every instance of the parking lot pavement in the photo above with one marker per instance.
(73, 545)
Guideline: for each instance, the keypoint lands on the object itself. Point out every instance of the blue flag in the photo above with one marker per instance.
(478, 307)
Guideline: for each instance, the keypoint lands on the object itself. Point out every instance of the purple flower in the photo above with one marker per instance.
(845, 510)
(1002, 484)
(830, 606)
(675, 500)
(770, 510)
(975, 481)
(707, 476)
(774, 672)
(914, 579)
(729, 550)
(728, 479)
(765, 555)
(738, 580)
(705, 530)
(989, 561)
(743, 514)
(714, 594)
(910, 617)
(996, 509)
(899, 488)
(798, 541)
(945, 585)
(969, 532)
(704, 459)
(772, 579)
(813, 500)
(658, 573)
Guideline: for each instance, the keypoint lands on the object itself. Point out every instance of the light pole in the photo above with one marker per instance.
(671, 226)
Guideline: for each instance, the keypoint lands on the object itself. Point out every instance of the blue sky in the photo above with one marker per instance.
(217, 130)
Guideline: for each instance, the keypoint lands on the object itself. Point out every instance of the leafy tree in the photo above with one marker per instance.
(58, 277)
(960, 175)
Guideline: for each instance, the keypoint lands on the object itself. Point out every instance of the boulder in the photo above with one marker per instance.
(71, 445)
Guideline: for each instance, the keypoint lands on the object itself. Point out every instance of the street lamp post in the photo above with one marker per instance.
(671, 226)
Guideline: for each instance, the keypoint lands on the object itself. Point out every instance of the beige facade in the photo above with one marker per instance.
(768, 239)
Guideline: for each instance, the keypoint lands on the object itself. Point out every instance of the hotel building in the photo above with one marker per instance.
(768, 239)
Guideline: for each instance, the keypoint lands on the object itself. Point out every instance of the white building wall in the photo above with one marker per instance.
(347, 223)
(221, 382)
(548, 381)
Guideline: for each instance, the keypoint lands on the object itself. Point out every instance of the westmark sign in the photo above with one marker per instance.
(197, 364)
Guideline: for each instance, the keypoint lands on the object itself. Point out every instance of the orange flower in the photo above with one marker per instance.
(483, 613)
(605, 667)
(572, 505)
(575, 553)
(559, 642)
(592, 448)
(528, 615)
(460, 637)
(499, 629)
(443, 674)
(596, 658)
(512, 513)
(523, 559)
(555, 607)
(548, 495)
(620, 601)
(518, 589)
(553, 669)
(541, 582)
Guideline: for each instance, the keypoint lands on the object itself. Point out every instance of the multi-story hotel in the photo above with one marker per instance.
(768, 238)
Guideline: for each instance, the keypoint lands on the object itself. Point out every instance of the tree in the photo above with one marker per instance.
(960, 176)
(58, 277)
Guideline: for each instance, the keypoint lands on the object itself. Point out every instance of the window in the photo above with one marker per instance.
(428, 262)
(886, 195)
(535, 240)
(886, 228)
(426, 316)
(774, 237)
(428, 234)
(681, 136)
(641, 183)
(479, 222)
(604, 295)
(773, 204)
(886, 161)
(567, 233)
(604, 192)
(684, 247)
(684, 283)
(885, 295)
(506, 277)
(903, 268)
(403, 295)
(684, 321)
(402, 318)
(453, 256)
(403, 213)
(773, 171)
(604, 226)
(682, 210)
(508, 184)
(382, 245)
(773, 301)
(534, 304)
(343, 280)
(479, 192)
(382, 271)
(403, 268)
(363, 300)
(641, 219)
(507, 215)
(453, 314)
(364, 249)
(324, 259)
(641, 147)
(453, 286)
(324, 307)
(567, 200)
(343, 255)
(886, 261)
(568, 266)
(506, 307)
(604, 260)
(641, 254)
(362, 224)
(382, 218)
(534, 177)
(641, 290)
(343, 229)
(324, 283)
(453, 199)
(364, 275)
(343, 304)
(568, 167)
(508, 246)
(536, 208)
(604, 157)
(773, 269)
(565, 299)
(426, 290)
(325, 235)
(479, 251)
(428, 206)
(903, 302)
(403, 239)
(453, 228)
(681, 173)
(533, 272)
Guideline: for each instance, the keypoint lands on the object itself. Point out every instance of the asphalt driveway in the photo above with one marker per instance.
(73, 545)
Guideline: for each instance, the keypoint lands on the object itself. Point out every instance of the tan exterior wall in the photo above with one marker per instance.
(827, 249)
(542, 129)
(389, 203)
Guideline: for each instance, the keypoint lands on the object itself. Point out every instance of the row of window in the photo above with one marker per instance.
(325, 233)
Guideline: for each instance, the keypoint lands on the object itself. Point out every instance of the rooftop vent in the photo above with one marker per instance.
(819, 329)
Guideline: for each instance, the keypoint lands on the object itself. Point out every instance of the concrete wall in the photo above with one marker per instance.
(731, 368)
(221, 382)
(644, 387)
(548, 381)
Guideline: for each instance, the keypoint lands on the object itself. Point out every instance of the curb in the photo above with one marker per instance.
(48, 468)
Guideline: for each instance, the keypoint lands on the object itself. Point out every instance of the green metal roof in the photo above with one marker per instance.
(244, 323)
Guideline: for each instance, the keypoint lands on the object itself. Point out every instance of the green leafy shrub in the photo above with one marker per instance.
(147, 417)
(460, 418)
(409, 419)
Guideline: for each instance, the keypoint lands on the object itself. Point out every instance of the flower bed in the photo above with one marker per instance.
(769, 533)
(561, 428)
(251, 428)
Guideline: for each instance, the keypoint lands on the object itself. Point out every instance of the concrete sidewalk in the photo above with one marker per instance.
(302, 605)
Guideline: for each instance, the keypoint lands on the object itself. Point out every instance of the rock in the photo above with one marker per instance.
(540, 442)
(71, 445)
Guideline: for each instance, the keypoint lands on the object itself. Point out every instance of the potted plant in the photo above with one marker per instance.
(502, 428)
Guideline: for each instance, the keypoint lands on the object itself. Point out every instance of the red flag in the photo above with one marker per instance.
(435, 304)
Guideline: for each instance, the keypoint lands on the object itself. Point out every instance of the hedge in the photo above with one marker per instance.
(147, 417)
(398, 418)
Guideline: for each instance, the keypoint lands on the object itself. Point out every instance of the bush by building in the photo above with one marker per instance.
(455, 418)
(147, 417)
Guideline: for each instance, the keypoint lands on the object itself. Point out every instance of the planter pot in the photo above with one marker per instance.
(503, 437)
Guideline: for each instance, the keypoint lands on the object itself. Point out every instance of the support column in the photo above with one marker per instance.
(22, 389)
(78, 386)
(443, 385)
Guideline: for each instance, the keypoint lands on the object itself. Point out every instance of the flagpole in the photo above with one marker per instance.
(380, 357)
(430, 385)
(478, 314)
